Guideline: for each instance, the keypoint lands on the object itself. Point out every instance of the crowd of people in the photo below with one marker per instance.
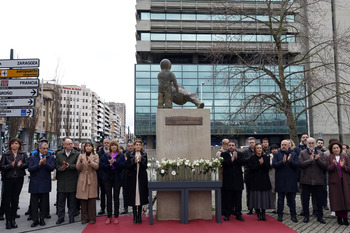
(286, 170)
(82, 175)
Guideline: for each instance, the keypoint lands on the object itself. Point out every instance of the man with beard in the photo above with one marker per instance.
(312, 165)
(232, 184)
(286, 165)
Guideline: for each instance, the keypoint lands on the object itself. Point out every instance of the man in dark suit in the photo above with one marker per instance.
(286, 164)
(41, 164)
(232, 181)
(101, 186)
(67, 177)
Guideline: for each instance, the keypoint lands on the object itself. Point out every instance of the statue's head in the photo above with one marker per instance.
(165, 64)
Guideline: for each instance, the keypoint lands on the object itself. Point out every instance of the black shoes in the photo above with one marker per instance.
(321, 220)
(42, 222)
(29, 218)
(280, 218)
(18, 216)
(263, 217)
(240, 218)
(102, 212)
(258, 216)
(340, 221)
(13, 224)
(71, 220)
(125, 211)
(34, 224)
(48, 216)
(306, 219)
(2, 217)
(27, 213)
(250, 212)
(345, 222)
(227, 218)
(294, 219)
(8, 225)
(60, 220)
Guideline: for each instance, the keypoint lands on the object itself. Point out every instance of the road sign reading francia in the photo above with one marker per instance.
(19, 83)
(18, 63)
(19, 73)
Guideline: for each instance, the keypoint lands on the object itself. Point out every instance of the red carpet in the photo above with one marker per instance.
(194, 226)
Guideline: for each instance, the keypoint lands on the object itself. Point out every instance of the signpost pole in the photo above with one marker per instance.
(41, 103)
(7, 118)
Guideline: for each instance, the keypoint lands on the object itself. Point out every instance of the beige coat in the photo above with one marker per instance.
(87, 181)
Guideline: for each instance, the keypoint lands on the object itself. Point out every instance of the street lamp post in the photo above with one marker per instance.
(42, 103)
(202, 83)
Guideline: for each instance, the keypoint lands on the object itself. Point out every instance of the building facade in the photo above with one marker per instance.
(185, 32)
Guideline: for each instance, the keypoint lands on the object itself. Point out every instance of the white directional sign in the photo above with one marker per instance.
(19, 92)
(27, 102)
(18, 63)
(19, 83)
(16, 112)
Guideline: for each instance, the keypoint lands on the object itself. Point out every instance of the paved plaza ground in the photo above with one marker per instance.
(24, 225)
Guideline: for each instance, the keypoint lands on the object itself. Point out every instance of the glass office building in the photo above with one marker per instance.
(219, 96)
(185, 32)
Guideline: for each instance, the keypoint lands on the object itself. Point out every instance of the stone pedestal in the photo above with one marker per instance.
(183, 133)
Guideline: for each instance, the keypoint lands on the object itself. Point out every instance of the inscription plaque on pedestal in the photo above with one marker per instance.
(183, 133)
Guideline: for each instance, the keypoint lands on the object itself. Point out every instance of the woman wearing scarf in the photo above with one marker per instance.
(338, 166)
(87, 164)
(137, 181)
(112, 164)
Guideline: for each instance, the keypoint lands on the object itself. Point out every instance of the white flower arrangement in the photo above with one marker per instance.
(182, 169)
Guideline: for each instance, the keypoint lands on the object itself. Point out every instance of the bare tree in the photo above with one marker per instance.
(80, 127)
(30, 124)
(15, 124)
(56, 110)
(291, 57)
(67, 120)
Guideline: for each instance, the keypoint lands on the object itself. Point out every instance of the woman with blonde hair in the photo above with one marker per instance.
(87, 164)
(112, 164)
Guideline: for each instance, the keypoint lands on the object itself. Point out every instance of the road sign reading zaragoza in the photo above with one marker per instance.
(19, 73)
(19, 63)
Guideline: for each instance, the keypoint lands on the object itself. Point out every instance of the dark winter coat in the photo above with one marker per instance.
(286, 174)
(16, 171)
(259, 174)
(40, 175)
(112, 174)
(339, 190)
(247, 153)
(232, 174)
(131, 179)
(67, 179)
(312, 171)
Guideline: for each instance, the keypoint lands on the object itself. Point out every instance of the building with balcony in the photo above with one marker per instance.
(76, 112)
(120, 110)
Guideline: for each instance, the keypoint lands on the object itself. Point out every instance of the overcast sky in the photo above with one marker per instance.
(93, 42)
